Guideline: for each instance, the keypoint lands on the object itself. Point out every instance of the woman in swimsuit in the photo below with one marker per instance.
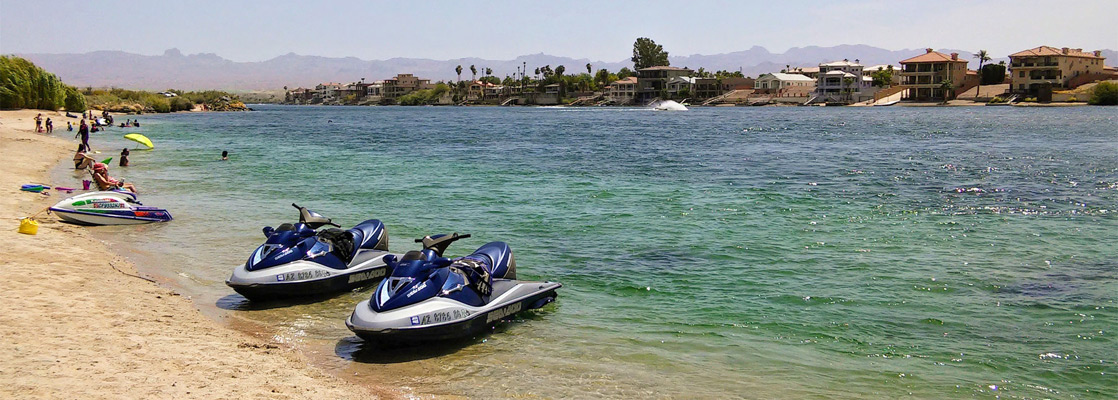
(105, 182)
(82, 160)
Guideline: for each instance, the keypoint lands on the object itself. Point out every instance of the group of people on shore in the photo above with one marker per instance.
(82, 158)
(39, 126)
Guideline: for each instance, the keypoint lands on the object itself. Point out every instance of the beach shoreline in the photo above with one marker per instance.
(82, 323)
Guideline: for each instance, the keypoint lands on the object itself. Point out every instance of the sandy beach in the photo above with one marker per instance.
(79, 323)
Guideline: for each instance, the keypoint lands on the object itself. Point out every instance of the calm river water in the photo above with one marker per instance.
(713, 253)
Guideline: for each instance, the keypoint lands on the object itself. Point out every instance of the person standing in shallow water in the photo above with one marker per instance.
(83, 131)
(124, 157)
(224, 155)
(50, 126)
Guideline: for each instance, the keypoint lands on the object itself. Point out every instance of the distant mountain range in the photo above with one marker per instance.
(173, 70)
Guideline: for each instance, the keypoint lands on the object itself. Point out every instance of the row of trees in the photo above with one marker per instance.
(123, 100)
(25, 85)
(646, 53)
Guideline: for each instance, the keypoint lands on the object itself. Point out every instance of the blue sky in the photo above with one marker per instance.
(598, 30)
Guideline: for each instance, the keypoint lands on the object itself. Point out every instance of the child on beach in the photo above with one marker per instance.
(106, 182)
(124, 157)
(50, 126)
(69, 126)
(39, 123)
(82, 160)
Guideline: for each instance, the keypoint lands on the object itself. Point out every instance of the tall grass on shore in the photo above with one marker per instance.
(25, 85)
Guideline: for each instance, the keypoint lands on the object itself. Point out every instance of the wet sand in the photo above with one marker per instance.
(79, 322)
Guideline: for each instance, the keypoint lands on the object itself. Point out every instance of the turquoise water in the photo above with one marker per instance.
(713, 253)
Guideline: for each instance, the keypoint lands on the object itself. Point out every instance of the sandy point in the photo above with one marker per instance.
(77, 324)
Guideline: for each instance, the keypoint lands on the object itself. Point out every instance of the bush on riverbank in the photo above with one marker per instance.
(1104, 94)
(137, 101)
(25, 85)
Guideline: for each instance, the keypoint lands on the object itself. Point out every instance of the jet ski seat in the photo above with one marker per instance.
(365, 235)
(341, 243)
(500, 259)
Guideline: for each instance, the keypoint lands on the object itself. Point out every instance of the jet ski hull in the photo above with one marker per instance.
(305, 278)
(108, 208)
(440, 318)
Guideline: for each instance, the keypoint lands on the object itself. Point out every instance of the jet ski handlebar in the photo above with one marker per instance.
(313, 219)
(439, 243)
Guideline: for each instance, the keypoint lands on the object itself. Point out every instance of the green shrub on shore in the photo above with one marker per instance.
(1104, 94)
(138, 101)
(75, 101)
(25, 85)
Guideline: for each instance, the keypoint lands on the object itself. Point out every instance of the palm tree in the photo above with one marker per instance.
(846, 82)
(473, 71)
(588, 68)
(559, 75)
(982, 57)
(946, 86)
(458, 70)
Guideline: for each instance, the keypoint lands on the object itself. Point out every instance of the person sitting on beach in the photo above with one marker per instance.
(124, 157)
(82, 160)
(69, 126)
(106, 182)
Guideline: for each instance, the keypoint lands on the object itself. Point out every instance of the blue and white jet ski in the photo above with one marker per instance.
(431, 297)
(301, 260)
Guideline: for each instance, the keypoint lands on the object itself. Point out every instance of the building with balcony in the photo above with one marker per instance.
(298, 96)
(652, 82)
(841, 82)
(622, 91)
(373, 92)
(1048, 67)
(326, 92)
(694, 88)
(923, 76)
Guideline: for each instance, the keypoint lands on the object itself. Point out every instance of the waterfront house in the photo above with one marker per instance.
(299, 96)
(622, 91)
(1040, 70)
(841, 82)
(373, 91)
(652, 82)
(403, 84)
(351, 93)
(696, 88)
(326, 92)
(771, 83)
(923, 76)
